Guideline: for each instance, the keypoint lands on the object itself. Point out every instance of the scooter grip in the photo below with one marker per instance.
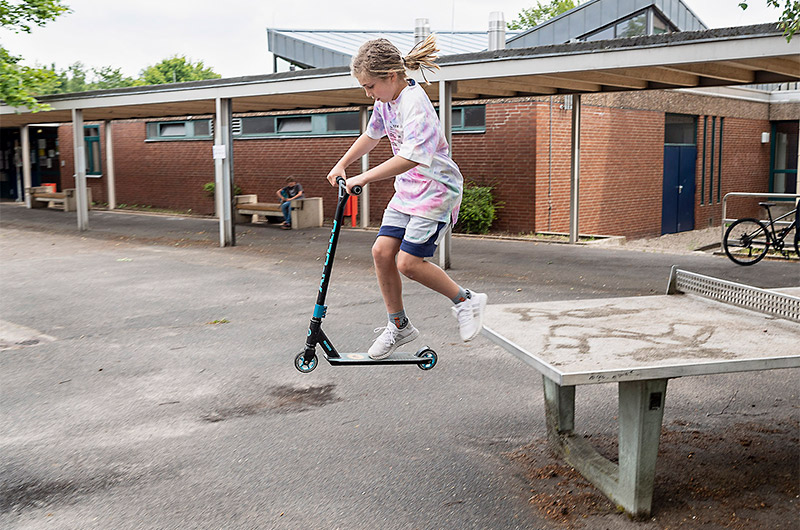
(356, 190)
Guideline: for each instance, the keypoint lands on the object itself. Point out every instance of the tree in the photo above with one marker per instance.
(17, 16)
(790, 17)
(109, 77)
(176, 69)
(533, 16)
(76, 79)
(19, 84)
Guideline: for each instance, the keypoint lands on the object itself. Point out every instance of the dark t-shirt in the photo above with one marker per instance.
(291, 191)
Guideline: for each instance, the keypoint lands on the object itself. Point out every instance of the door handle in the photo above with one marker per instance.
(680, 189)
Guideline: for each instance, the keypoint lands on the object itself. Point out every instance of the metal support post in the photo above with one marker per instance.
(223, 172)
(363, 116)
(79, 148)
(575, 168)
(25, 155)
(110, 177)
(446, 117)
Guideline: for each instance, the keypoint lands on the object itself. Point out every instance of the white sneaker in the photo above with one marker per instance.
(470, 315)
(391, 338)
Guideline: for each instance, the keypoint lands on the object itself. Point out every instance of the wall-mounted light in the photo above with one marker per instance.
(764, 137)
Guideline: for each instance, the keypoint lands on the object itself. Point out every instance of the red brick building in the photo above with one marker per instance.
(523, 152)
(653, 161)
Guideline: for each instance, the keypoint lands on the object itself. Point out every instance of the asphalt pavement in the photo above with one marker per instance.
(147, 379)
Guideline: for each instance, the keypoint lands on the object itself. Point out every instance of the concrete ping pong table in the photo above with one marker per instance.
(640, 343)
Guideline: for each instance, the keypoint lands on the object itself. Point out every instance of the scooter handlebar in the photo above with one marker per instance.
(342, 184)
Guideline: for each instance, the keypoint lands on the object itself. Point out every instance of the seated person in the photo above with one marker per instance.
(293, 190)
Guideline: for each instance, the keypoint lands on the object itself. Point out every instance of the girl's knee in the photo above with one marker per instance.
(383, 252)
(408, 265)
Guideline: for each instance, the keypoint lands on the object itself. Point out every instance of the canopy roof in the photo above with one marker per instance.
(717, 57)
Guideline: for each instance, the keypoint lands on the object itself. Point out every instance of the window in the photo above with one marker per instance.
(680, 129)
(332, 123)
(180, 130)
(172, 129)
(659, 25)
(295, 124)
(632, 26)
(258, 125)
(469, 118)
(91, 136)
(636, 25)
(603, 34)
(783, 159)
(343, 122)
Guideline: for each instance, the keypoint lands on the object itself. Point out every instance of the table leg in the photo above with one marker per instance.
(641, 410)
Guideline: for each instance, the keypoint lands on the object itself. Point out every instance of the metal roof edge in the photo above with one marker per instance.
(285, 36)
(678, 38)
(207, 83)
(403, 31)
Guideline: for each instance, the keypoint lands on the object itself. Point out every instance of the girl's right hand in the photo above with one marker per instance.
(336, 172)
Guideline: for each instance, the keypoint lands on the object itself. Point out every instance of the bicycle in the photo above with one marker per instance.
(747, 240)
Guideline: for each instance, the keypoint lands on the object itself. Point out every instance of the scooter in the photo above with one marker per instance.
(306, 360)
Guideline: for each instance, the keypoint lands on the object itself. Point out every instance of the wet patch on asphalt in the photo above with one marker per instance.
(283, 399)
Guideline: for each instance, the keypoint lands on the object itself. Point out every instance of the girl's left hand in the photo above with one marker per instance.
(353, 181)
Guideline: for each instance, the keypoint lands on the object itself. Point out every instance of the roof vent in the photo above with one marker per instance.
(422, 28)
(497, 31)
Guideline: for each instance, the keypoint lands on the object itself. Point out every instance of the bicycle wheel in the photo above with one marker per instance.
(746, 241)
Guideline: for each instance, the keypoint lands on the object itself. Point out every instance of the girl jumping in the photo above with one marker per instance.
(428, 188)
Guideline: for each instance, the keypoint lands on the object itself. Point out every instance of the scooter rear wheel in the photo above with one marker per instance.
(429, 354)
(303, 365)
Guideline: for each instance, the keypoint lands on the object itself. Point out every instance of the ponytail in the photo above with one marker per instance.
(422, 56)
(379, 58)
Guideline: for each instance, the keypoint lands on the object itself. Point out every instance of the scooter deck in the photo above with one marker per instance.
(353, 359)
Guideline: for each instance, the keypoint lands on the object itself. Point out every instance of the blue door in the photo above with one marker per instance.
(677, 210)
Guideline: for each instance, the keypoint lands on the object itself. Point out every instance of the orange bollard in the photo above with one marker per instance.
(351, 209)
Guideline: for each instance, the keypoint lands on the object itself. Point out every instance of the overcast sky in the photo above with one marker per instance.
(230, 35)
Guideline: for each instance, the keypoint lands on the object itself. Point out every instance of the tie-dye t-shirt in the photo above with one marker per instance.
(433, 188)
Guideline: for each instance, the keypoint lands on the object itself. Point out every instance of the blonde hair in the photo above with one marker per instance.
(380, 58)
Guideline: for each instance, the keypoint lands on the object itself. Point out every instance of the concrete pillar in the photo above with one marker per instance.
(641, 411)
(223, 171)
(363, 115)
(25, 141)
(79, 149)
(575, 168)
(110, 180)
(559, 403)
(446, 117)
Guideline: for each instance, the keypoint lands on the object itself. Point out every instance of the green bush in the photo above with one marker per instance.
(209, 188)
(478, 210)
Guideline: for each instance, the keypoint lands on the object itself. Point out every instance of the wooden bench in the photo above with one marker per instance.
(306, 213)
(67, 200)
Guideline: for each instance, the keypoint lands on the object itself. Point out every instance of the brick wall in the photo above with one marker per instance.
(745, 168)
(621, 163)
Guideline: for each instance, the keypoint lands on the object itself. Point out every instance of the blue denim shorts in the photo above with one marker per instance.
(419, 236)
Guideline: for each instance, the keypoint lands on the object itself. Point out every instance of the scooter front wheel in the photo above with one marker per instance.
(305, 365)
(427, 353)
